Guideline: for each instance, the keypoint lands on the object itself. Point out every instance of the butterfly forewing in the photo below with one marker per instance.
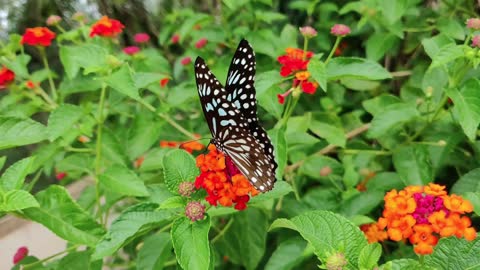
(240, 90)
(219, 113)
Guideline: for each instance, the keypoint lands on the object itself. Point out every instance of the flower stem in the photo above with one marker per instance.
(337, 42)
(50, 78)
(28, 266)
(98, 148)
(45, 96)
(222, 232)
(169, 120)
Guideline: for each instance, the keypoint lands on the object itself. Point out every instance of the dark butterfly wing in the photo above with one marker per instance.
(241, 92)
(230, 130)
(246, 153)
(218, 112)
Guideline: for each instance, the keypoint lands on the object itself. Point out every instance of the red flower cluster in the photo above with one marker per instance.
(222, 180)
(422, 215)
(164, 82)
(38, 36)
(6, 77)
(295, 62)
(106, 27)
(131, 50)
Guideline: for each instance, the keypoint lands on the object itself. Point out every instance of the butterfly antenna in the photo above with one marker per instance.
(182, 144)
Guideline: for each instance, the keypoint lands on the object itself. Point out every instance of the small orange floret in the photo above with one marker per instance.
(435, 190)
(457, 204)
(401, 228)
(302, 75)
(399, 203)
(192, 146)
(374, 232)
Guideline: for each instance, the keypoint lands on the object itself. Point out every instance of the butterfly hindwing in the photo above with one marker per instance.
(248, 156)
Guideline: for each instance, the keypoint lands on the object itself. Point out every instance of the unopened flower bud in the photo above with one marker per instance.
(53, 20)
(195, 211)
(336, 261)
(473, 23)
(340, 30)
(21, 253)
(113, 61)
(186, 189)
(308, 31)
(325, 171)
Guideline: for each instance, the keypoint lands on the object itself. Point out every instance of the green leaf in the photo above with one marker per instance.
(17, 132)
(122, 81)
(380, 43)
(144, 79)
(447, 54)
(280, 149)
(455, 253)
(280, 189)
(78, 162)
(392, 116)
(133, 222)
(15, 200)
(173, 202)
(123, 181)
(269, 101)
(393, 10)
(75, 261)
(245, 241)
(155, 251)
(451, 28)
(288, 255)
(467, 183)
(63, 216)
(18, 65)
(112, 150)
(385, 181)
(58, 119)
(413, 164)
(402, 264)
(313, 164)
(362, 203)
(143, 134)
(467, 106)
(190, 242)
(327, 232)
(341, 67)
(79, 84)
(377, 105)
(330, 128)
(433, 45)
(87, 56)
(14, 176)
(2, 161)
(179, 166)
(318, 71)
(369, 256)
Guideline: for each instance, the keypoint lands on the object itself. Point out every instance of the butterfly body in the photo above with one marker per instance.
(231, 114)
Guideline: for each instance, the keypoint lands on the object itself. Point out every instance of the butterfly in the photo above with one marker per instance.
(231, 114)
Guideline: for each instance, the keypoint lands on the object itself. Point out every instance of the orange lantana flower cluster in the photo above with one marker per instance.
(222, 180)
(423, 215)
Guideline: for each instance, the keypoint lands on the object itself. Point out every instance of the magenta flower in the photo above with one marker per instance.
(195, 211)
(473, 23)
(175, 39)
(427, 205)
(131, 50)
(21, 253)
(141, 38)
(201, 43)
(476, 41)
(186, 60)
(340, 30)
(308, 31)
(53, 20)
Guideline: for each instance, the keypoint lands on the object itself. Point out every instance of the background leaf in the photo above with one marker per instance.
(123, 181)
(467, 106)
(17, 132)
(340, 67)
(62, 120)
(190, 242)
(413, 165)
(179, 166)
